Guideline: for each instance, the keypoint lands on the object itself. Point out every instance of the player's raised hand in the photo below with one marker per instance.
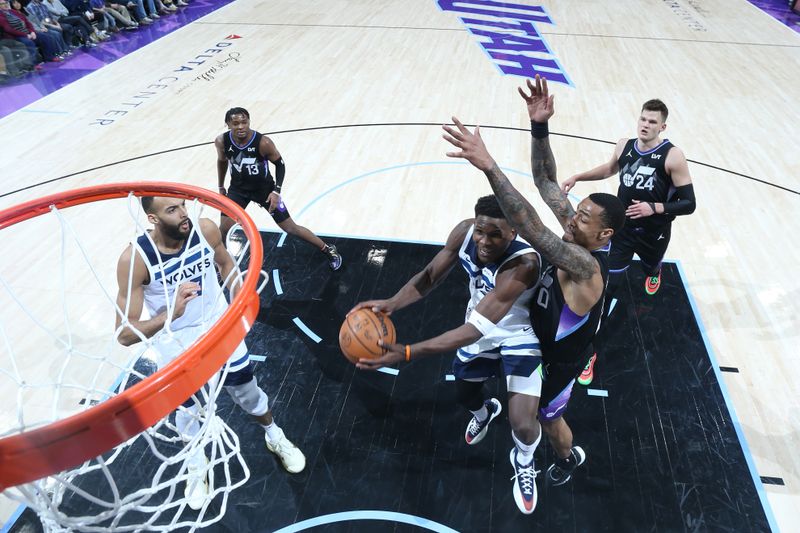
(472, 147)
(395, 353)
(539, 102)
(186, 292)
(378, 306)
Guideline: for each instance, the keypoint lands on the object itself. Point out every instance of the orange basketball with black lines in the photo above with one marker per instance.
(360, 333)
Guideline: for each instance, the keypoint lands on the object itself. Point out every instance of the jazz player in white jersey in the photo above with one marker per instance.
(496, 338)
(175, 279)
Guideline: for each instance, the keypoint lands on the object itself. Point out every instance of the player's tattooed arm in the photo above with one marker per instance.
(571, 258)
(543, 167)
(574, 259)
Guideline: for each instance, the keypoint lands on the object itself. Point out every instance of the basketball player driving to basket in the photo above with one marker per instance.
(496, 338)
(172, 271)
(567, 305)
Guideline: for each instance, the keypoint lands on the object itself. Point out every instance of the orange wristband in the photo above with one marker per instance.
(408, 352)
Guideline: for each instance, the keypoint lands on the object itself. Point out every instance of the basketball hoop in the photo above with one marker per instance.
(29, 453)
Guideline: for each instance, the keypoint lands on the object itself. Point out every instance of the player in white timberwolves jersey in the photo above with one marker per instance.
(568, 300)
(175, 278)
(497, 337)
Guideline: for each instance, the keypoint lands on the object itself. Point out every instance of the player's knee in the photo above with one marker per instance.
(526, 427)
(249, 397)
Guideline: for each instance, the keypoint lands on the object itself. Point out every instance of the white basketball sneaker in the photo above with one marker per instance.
(290, 455)
(196, 490)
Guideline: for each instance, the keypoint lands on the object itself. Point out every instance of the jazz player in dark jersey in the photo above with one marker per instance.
(567, 304)
(246, 152)
(655, 186)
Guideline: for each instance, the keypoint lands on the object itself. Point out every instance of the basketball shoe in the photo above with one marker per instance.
(477, 430)
(290, 455)
(587, 375)
(561, 471)
(525, 495)
(652, 283)
(334, 257)
(196, 490)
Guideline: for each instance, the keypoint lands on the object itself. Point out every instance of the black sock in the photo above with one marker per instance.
(569, 462)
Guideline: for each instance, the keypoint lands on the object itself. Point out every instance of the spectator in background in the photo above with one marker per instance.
(105, 22)
(49, 39)
(16, 59)
(39, 15)
(137, 6)
(17, 25)
(81, 8)
(121, 15)
(82, 30)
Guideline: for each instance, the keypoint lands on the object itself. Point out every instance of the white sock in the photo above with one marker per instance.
(525, 451)
(274, 432)
(481, 414)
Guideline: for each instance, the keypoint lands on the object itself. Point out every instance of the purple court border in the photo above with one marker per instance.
(53, 76)
(780, 11)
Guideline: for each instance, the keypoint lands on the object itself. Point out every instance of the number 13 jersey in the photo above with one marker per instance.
(249, 170)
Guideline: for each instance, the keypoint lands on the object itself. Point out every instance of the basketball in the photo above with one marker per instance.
(360, 333)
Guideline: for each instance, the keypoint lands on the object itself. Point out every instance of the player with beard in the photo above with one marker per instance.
(567, 304)
(246, 152)
(171, 271)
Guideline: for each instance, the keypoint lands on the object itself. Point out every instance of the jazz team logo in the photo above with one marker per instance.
(508, 34)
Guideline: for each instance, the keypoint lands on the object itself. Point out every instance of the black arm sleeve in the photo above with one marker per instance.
(280, 172)
(682, 202)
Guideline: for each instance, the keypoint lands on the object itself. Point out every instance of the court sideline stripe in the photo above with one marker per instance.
(13, 518)
(729, 404)
(367, 125)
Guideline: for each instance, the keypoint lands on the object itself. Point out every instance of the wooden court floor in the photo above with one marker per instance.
(352, 93)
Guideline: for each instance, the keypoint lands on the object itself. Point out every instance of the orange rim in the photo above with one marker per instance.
(38, 453)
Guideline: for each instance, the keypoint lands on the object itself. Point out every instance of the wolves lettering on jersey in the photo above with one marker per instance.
(643, 177)
(482, 279)
(193, 262)
(564, 335)
(190, 270)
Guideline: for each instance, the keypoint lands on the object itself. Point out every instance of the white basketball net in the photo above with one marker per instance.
(59, 355)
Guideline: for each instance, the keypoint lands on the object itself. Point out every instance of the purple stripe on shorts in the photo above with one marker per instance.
(558, 405)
